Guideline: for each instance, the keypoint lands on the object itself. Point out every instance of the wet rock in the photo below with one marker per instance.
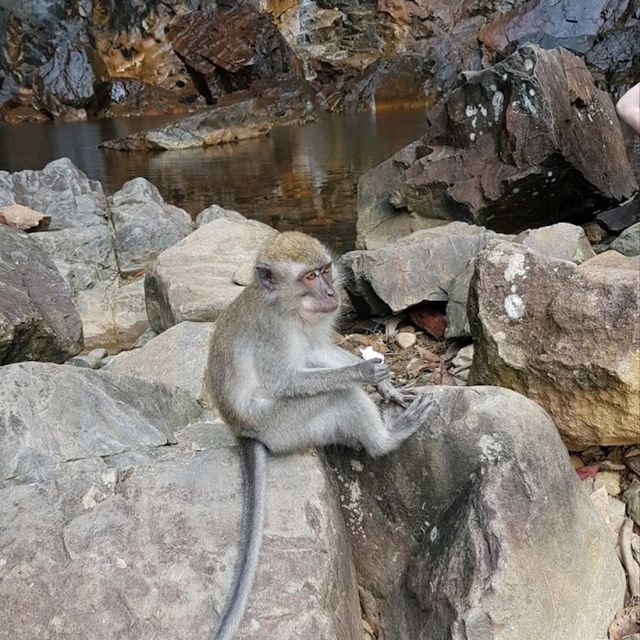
(414, 269)
(613, 260)
(124, 414)
(193, 280)
(616, 220)
(66, 83)
(479, 162)
(483, 494)
(62, 191)
(628, 242)
(178, 357)
(214, 212)
(37, 318)
(217, 125)
(576, 355)
(23, 218)
(228, 49)
(561, 240)
(144, 224)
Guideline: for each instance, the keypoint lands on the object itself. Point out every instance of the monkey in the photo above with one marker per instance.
(281, 384)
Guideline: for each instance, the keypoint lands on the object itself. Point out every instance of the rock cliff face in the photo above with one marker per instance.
(72, 59)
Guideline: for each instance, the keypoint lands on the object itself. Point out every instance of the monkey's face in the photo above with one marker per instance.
(318, 297)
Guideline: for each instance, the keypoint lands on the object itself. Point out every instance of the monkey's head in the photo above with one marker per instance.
(297, 270)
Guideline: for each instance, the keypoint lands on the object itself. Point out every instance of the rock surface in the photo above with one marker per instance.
(193, 280)
(124, 536)
(478, 160)
(37, 318)
(144, 224)
(217, 125)
(628, 242)
(464, 531)
(561, 240)
(566, 336)
(414, 269)
(178, 357)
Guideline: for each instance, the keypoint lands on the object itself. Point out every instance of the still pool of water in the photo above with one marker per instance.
(299, 177)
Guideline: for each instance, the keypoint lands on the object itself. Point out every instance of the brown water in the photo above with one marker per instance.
(299, 177)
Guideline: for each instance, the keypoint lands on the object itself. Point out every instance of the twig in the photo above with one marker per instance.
(628, 561)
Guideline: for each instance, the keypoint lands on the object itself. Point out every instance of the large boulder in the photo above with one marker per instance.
(477, 528)
(144, 224)
(47, 410)
(62, 191)
(565, 336)
(414, 269)
(178, 356)
(37, 318)
(124, 536)
(525, 143)
(194, 279)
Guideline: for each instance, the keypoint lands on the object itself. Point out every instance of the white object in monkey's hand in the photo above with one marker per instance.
(369, 353)
(385, 388)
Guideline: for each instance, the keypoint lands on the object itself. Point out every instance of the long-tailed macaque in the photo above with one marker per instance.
(280, 383)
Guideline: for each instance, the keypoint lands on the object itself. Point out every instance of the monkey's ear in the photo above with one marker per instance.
(265, 275)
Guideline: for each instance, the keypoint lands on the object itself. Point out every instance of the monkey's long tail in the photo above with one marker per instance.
(255, 476)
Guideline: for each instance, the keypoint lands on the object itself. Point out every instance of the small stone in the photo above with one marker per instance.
(406, 340)
(576, 462)
(79, 361)
(611, 481)
(464, 357)
(24, 218)
(95, 358)
(244, 275)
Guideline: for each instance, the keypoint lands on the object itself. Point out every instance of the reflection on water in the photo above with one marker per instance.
(299, 177)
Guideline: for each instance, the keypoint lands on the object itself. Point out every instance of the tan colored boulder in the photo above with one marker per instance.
(567, 337)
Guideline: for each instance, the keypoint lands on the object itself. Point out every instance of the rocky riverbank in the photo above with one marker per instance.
(546, 317)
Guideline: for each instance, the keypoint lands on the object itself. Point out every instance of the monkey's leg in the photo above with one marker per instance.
(348, 417)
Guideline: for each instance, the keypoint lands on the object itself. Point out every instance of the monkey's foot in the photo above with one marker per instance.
(391, 394)
(414, 415)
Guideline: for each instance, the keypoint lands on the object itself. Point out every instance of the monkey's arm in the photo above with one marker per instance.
(385, 387)
(316, 380)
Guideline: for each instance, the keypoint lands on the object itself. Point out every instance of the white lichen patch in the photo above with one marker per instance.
(472, 136)
(514, 306)
(528, 64)
(505, 76)
(549, 174)
(493, 87)
(515, 267)
(532, 92)
(528, 105)
(351, 504)
(357, 466)
(483, 111)
(491, 450)
(497, 104)
(470, 111)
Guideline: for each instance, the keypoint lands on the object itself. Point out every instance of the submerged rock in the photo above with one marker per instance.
(37, 318)
(464, 531)
(565, 336)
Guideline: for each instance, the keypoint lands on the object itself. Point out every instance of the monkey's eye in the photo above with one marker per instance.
(326, 271)
(310, 277)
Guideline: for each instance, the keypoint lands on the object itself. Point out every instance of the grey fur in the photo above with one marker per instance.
(278, 378)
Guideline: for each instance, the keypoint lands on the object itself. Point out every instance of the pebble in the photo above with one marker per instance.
(464, 358)
(405, 340)
(611, 481)
(79, 361)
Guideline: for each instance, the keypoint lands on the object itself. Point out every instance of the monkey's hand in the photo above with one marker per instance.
(391, 394)
(373, 371)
